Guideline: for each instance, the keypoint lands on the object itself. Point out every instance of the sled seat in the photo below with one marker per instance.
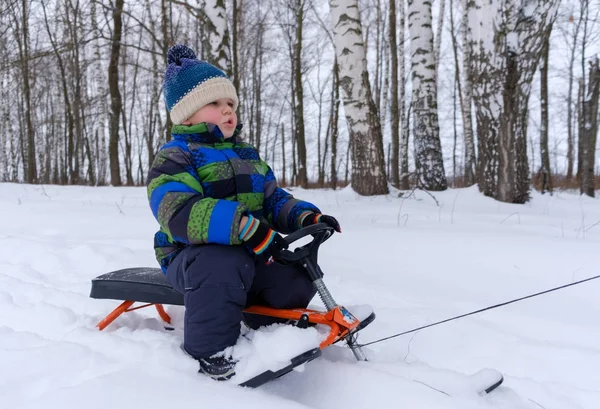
(141, 284)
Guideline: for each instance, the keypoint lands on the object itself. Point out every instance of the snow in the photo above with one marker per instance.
(414, 262)
(271, 348)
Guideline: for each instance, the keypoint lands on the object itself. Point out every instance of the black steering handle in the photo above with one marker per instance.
(320, 232)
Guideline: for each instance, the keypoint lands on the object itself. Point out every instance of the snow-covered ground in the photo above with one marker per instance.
(413, 261)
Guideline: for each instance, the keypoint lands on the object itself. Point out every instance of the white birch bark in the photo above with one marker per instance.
(467, 90)
(428, 150)
(438, 34)
(507, 41)
(101, 109)
(216, 42)
(4, 123)
(402, 97)
(368, 168)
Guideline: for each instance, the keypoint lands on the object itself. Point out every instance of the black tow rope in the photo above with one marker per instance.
(481, 310)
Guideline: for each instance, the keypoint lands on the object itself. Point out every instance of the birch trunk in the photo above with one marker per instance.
(585, 16)
(402, 97)
(235, 41)
(428, 150)
(467, 100)
(570, 120)
(368, 167)
(22, 37)
(101, 109)
(545, 173)
(4, 122)
(589, 127)
(216, 35)
(503, 68)
(335, 116)
(395, 114)
(438, 35)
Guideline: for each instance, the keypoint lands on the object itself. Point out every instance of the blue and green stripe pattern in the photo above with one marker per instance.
(200, 185)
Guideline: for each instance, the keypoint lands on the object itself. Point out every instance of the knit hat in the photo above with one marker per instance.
(191, 84)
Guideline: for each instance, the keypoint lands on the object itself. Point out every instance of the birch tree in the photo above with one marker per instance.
(402, 97)
(21, 31)
(588, 126)
(368, 166)
(438, 34)
(545, 171)
(428, 150)
(395, 112)
(4, 102)
(571, 40)
(507, 43)
(215, 43)
(467, 99)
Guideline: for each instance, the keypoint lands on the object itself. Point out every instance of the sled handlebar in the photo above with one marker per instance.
(320, 232)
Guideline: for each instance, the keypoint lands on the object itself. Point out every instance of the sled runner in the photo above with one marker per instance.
(150, 287)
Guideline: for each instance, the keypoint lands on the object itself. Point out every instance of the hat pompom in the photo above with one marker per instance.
(179, 51)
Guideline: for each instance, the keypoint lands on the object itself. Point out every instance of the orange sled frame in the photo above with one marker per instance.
(341, 324)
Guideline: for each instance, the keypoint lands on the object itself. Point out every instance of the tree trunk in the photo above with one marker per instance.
(438, 35)
(335, 117)
(70, 123)
(302, 178)
(395, 114)
(74, 23)
(368, 167)
(401, 98)
(29, 157)
(216, 35)
(283, 181)
(570, 121)
(589, 128)
(5, 130)
(502, 73)
(257, 68)
(115, 94)
(466, 101)
(235, 69)
(585, 14)
(101, 110)
(545, 172)
(428, 151)
(165, 49)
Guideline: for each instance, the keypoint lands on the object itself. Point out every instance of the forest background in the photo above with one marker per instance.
(372, 93)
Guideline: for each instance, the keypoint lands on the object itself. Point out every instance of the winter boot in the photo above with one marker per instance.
(218, 367)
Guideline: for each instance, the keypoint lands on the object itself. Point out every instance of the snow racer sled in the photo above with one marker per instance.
(150, 286)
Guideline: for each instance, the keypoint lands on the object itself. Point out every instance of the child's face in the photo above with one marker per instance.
(220, 113)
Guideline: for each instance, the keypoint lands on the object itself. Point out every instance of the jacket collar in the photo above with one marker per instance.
(203, 133)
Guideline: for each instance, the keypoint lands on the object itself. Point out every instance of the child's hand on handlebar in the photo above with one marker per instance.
(310, 218)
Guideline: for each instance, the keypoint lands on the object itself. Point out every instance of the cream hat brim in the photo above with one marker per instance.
(203, 94)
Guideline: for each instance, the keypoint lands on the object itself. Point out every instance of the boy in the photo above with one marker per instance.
(218, 207)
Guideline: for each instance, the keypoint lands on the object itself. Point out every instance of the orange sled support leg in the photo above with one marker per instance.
(163, 314)
(126, 307)
(114, 314)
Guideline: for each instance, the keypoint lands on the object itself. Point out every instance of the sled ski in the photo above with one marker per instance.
(481, 382)
(270, 375)
(486, 380)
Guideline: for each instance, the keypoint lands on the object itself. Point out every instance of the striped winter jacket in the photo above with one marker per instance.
(200, 185)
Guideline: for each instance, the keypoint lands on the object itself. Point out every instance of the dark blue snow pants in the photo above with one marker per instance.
(218, 281)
